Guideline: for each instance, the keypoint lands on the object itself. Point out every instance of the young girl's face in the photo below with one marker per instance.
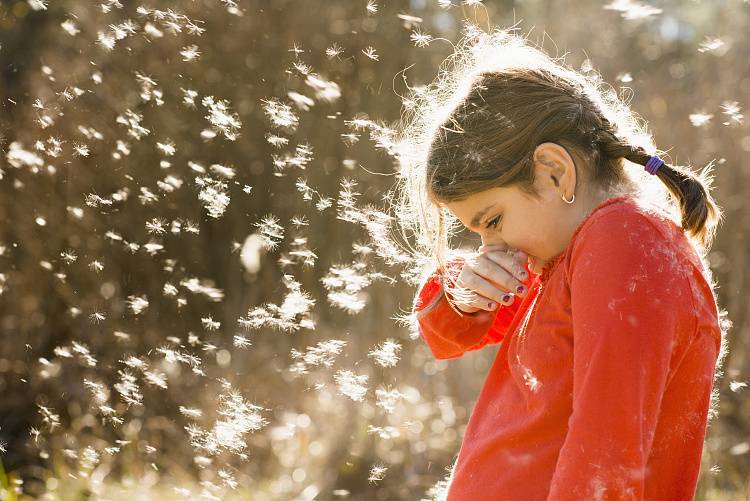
(509, 218)
(541, 228)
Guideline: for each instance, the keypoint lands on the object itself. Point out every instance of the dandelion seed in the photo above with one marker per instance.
(421, 39)
(386, 432)
(296, 49)
(191, 413)
(106, 40)
(732, 110)
(70, 27)
(191, 227)
(156, 379)
(90, 133)
(270, 231)
(228, 479)
(97, 317)
(739, 449)
(49, 418)
(369, 51)
(89, 458)
(377, 472)
(99, 392)
(711, 44)
(238, 417)
(276, 141)
(324, 90)
(361, 249)
(210, 324)
(96, 266)
(167, 148)
(223, 171)
(387, 398)
(632, 9)
(221, 118)
(302, 68)
(280, 114)
(37, 4)
(351, 384)
(203, 287)
(45, 121)
(137, 304)
(386, 355)
(303, 102)
(156, 226)
(350, 138)
(153, 248)
(152, 31)
(372, 7)
(133, 122)
(193, 28)
(170, 184)
(213, 196)
(67, 94)
(240, 341)
(530, 379)
(409, 21)
(736, 386)
(35, 434)
(129, 391)
(208, 134)
(68, 256)
(700, 119)
(188, 97)
(18, 157)
(190, 53)
(334, 50)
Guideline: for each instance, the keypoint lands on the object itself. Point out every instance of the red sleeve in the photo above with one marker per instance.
(449, 333)
(629, 308)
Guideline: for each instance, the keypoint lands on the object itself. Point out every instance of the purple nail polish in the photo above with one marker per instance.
(506, 298)
(520, 289)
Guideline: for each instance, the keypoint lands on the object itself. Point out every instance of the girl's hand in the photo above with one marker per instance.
(493, 276)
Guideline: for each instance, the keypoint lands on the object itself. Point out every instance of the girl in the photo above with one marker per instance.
(602, 302)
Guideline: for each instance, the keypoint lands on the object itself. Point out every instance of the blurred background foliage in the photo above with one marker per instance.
(197, 296)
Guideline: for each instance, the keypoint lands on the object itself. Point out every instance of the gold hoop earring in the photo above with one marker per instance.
(566, 201)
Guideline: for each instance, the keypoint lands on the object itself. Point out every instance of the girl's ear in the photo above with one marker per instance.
(553, 163)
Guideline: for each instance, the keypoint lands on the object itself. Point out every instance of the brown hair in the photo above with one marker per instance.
(476, 128)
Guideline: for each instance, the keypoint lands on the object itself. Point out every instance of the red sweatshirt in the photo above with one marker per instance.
(600, 389)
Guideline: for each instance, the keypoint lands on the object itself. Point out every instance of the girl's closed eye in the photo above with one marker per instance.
(493, 223)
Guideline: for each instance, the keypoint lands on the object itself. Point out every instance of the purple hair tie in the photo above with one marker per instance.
(653, 164)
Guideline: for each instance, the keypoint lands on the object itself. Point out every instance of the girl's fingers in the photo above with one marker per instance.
(515, 265)
(484, 288)
(496, 274)
(478, 302)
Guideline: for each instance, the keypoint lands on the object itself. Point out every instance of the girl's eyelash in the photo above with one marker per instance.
(493, 222)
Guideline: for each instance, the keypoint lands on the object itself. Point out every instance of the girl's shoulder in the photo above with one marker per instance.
(647, 231)
(625, 233)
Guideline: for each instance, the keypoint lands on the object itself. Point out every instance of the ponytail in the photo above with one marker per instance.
(691, 191)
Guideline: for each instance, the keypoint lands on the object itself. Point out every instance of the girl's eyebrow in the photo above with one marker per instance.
(478, 216)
